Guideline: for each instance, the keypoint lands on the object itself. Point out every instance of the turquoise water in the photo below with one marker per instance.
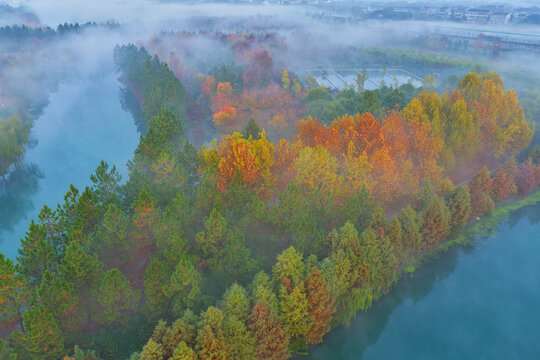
(474, 303)
(83, 124)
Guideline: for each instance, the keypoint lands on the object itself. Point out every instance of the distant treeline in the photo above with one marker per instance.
(23, 32)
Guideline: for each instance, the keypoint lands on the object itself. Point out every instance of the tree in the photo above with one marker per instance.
(236, 303)
(252, 130)
(13, 293)
(460, 209)
(164, 134)
(320, 306)
(286, 83)
(145, 218)
(394, 231)
(59, 299)
(240, 339)
(294, 309)
(270, 334)
(183, 352)
(152, 351)
(156, 278)
(211, 342)
(115, 296)
(106, 183)
(41, 338)
(36, 254)
(224, 249)
(13, 138)
(411, 225)
(436, 221)
(84, 271)
(112, 235)
(359, 209)
(480, 189)
(289, 265)
(5, 352)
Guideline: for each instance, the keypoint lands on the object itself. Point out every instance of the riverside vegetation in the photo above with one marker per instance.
(256, 245)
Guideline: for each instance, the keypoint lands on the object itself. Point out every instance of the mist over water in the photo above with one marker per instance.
(480, 301)
(83, 124)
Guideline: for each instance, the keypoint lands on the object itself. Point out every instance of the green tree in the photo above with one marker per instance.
(59, 299)
(460, 209)
(294, 309)
(41, 338)
(436, 221)
(211, 342)
(359, 209)
(236, 303)
(14, 293)
(112, 236)
(252, 130)
(36, 254)
(82, 270)
(240, 339)
(184, 352)
(13, 138)
(156, 278)
(152, 351)
(115, 296)
(289, 266)
(411, 225)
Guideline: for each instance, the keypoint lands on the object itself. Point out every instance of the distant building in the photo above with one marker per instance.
(500, 17)
(477, 15)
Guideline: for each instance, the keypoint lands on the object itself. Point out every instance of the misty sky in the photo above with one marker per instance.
(53, 12)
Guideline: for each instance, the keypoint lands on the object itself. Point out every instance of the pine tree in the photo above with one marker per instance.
(252, 130)
(236, 303)
(410, 223)
(112, 235)
(320, 306)
(41, 338)
(211, 342)
(59, 299)
(156, 278)
(270, 334)
(36, 255)
(289, 265)
(240, 339)
(14, 293)
(460, 209)
(294, 309)
(115, 296)
(436, 218)
(394, 232)
(152, 351)
(183, 352)
(84, 271)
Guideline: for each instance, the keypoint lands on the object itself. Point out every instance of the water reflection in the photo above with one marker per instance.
(367, 327)
(480, 299)
(16, 195)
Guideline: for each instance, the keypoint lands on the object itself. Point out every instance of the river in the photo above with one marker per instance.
(83, 124)
(480, 302)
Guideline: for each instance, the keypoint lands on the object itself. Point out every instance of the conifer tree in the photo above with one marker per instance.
(320, 306)
(115, 296)
(41, 338)
(270, 334)
(460, 209)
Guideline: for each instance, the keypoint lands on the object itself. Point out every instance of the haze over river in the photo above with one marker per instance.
(83, 124)
(472, 303)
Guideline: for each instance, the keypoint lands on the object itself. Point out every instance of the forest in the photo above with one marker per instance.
(260, 210)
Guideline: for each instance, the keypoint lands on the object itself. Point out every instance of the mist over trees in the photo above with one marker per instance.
(260, 209)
